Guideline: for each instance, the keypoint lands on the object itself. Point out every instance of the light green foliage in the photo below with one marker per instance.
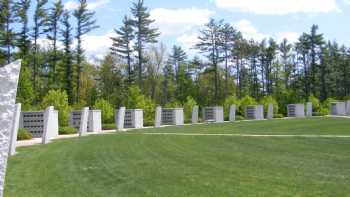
(245, 101)
(25, 94)
(269, 100)
(232, 100)
(136, 100)
(67, 130)
(326, 106)
(173, 104)
(107, 110)
(316, 104)
(188, 106)
(58, 99)
(24, 134)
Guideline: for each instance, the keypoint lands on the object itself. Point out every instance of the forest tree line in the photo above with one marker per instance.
(139, 72)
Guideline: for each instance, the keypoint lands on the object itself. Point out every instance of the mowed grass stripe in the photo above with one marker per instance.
(143, 165)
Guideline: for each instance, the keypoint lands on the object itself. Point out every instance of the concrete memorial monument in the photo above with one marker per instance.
(173, 116)
(120, 118)
(195, 111)
(14, 132)
(309, 109)
(213, 114)
(296, 110)
(158, 117)
(84, 121)
(270, 112)
(50, 128)
(36, 122)
(338, 109)
(232, 115)
(254, 112)
(348, 108)
(94, 121)
(9, 75)
(133, 118)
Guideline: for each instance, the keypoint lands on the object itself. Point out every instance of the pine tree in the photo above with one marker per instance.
(54, 17)
(315, 42)
(85, 24)
(228, 36)
(177, 57)
(66, 34)
(210, 44)
(40, 22)
(285, 50)
(23, 43)
(122, 44)
(143, 32)
(7, 33)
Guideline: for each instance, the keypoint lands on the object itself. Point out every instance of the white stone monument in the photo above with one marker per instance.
(338, 109)
(121, 118)
(232, 115)
(50, 130)
(213, 114)
(84, 121)
(173, 116)
(296, 110)
(133, 118)
(348, 108)
(8, 89)
(195, 112)
(158, 117)
(254, 112)
(309, 109)
(14, 132)
(95, 121)
(270, 112)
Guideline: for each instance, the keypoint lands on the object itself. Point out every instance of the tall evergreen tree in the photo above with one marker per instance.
(7, 33)
(67, 40)
(210, 44)
(54, 17)
(177, 57)
(303, 48)
(228, 37)
(143, 32)
(23, 43)
(285, 50)
(40, 22)
(316, 42)
(122, 44)
(85, 24)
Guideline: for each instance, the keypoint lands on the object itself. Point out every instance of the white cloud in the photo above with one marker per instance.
(71, 5)
(291, 36)
(178, 21)
(249, 31)
(279, 7)
(188, 41)
(96, 47)
(347, 2)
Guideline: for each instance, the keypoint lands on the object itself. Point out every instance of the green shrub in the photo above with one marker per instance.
(240, 118)
(232, 100)
(24, 134)
(109, 126)
(106, 109)
(316, 105)
(319, 114)
(58, 99)
(269, 100)
(246, 101)
(326, 106)
(136, 100)
(278, 116)
(173, 104)
(67, 130)
(188, 106)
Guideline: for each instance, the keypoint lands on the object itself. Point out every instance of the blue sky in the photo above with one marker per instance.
(180, 20)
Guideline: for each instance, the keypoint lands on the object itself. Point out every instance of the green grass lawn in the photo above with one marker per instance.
(133, 164)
